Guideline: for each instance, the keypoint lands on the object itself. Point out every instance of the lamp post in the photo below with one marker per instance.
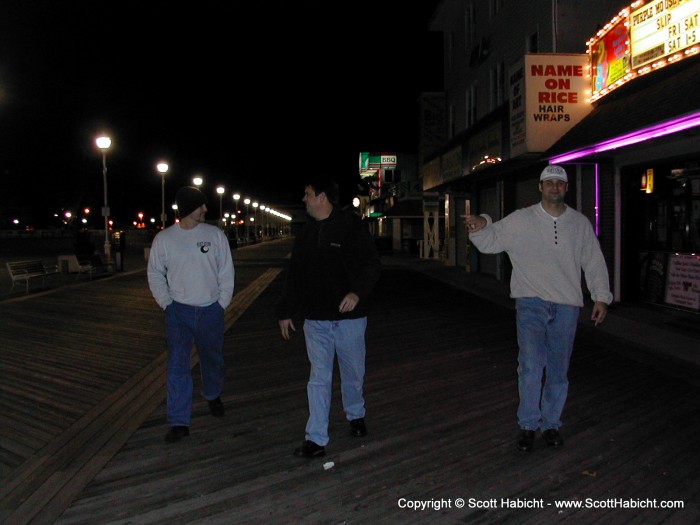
(162, 168)
(255, 220)
(197, 181)
(263, 210)
(236, 198)
(104, 144)
(220, 190)
(262, 222)
(247, 203)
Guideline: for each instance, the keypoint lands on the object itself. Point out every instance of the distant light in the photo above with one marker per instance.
(486, 161)
(162, 167)
(103, 142)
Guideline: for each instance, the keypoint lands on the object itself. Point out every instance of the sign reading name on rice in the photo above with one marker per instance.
(683, 281)
(548, 97)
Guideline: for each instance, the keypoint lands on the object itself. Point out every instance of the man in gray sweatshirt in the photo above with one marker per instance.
(191, 277)
(549, 244)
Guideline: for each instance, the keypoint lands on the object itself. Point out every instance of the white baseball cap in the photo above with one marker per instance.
(554, 172)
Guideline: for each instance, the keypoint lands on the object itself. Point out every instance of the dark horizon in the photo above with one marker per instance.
(249, 97)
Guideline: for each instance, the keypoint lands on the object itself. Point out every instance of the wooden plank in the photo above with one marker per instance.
(40, 489)
(441, 390)
(441, 400)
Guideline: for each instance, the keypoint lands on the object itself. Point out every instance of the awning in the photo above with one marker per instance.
(651, 100)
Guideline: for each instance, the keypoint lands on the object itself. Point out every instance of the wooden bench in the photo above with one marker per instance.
(29, 270)
(91, 265)
(86, 266)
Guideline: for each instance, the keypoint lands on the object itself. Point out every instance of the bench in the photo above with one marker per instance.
(85, 266)
(29, 270)
(91, 265)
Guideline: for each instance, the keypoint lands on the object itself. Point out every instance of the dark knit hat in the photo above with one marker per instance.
(189, 199)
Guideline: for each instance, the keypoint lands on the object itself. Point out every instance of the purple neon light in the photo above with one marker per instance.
(597, 202)
(669, 127)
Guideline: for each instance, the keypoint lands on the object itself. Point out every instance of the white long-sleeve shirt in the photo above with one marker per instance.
(548, 254)
(192, 267)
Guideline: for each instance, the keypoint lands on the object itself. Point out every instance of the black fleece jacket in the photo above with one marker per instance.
(330, 259)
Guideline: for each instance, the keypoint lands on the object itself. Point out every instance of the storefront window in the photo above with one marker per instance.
(668, 218)
(661, 235)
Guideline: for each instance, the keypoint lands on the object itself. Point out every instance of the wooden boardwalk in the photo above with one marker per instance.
(83, 419)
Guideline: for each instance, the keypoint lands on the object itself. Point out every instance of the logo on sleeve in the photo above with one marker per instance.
(204, 246)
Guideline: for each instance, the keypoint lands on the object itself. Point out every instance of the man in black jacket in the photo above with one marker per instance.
(333, 269)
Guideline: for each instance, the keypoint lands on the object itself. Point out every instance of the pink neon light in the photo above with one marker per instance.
(635, 137)
(597, 202)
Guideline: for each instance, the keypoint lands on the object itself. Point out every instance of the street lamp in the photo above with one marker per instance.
(255, 222)
(220, 190)
(262, 220)
(162, 168)
(104, 144)
(247, 203)
(236, 198)
(197, 181)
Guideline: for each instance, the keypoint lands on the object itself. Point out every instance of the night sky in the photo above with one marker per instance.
(253, 96)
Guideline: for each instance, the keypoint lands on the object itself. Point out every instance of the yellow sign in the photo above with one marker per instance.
(662, 28)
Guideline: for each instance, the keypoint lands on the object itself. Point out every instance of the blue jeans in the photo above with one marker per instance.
(325, 339)
(546, 333)
(203, 326)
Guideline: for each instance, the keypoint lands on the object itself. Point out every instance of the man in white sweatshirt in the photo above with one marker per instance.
(191, 276)
(549, 244)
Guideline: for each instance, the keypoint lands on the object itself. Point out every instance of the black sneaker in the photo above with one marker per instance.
(358, 427)
(309, 449)
(526, 440)
(216, 407)
(176, 433)
(552, 438)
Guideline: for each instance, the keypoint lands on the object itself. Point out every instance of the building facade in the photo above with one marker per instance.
(570, 82)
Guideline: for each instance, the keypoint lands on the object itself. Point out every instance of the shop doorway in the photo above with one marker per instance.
(660, 218)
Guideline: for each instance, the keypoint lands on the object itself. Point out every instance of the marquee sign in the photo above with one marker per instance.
(641, 38)
(662, 28)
